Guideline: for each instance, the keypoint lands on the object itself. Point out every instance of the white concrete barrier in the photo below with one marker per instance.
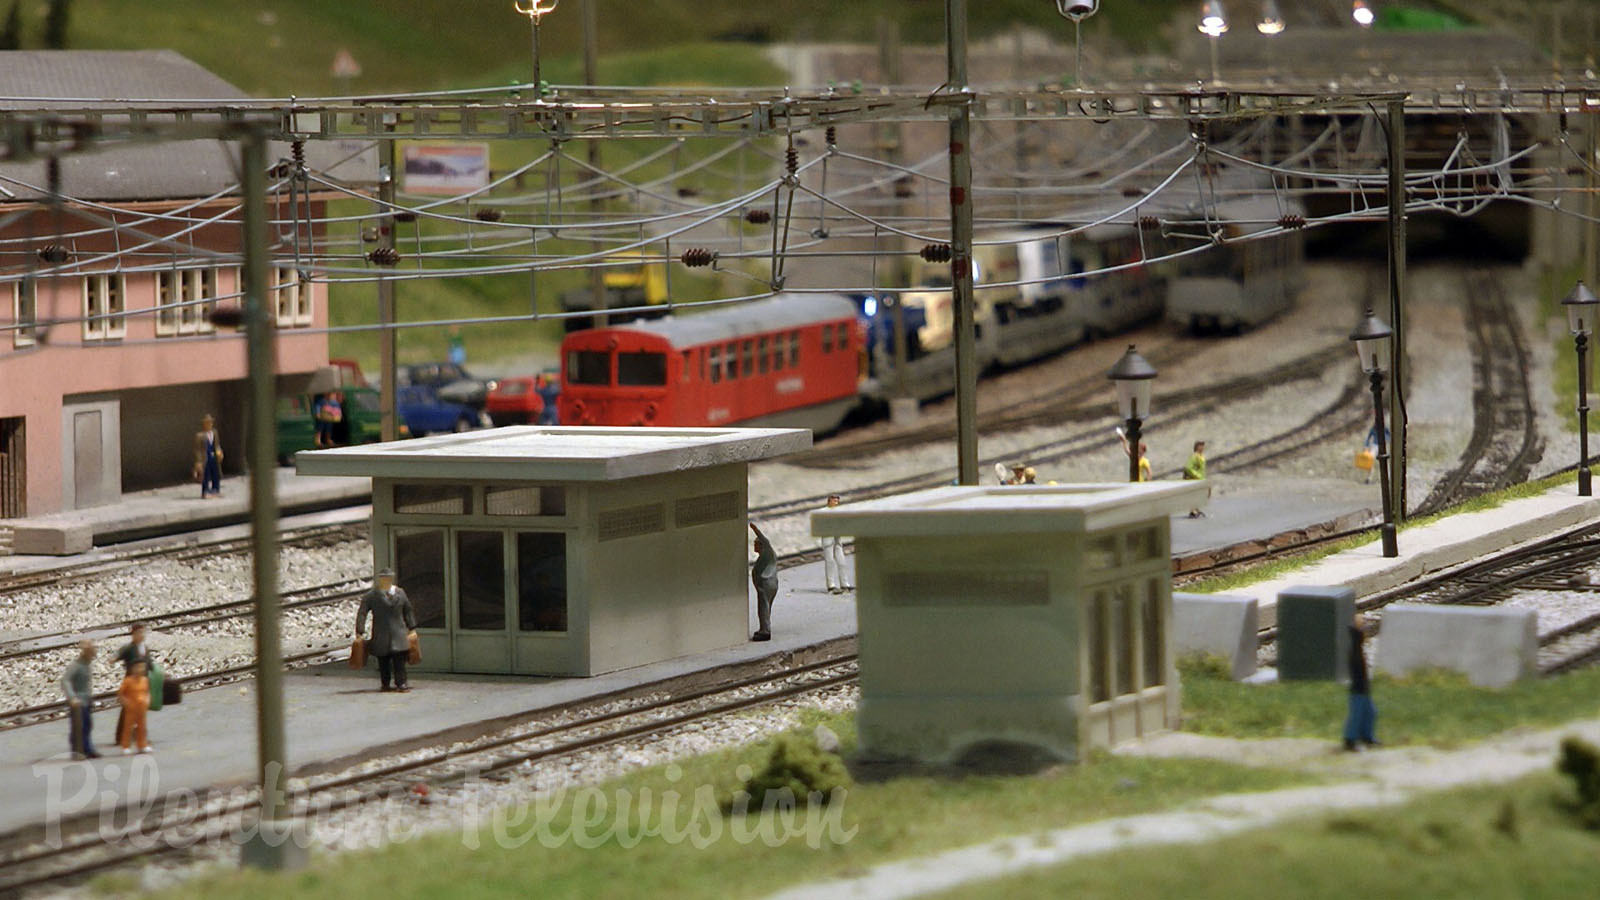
(52, 540)
(1221, 624)
(1492, 647)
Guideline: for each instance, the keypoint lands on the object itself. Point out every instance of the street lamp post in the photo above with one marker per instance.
(536, 10)
(1134, 378)
(1213, 24)
(1076, 11)
(1371, 338)
(1580, 305)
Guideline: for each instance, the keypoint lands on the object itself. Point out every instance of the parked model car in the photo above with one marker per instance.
(514, 401)
(426, 412)
(360, 421)
(452, 383)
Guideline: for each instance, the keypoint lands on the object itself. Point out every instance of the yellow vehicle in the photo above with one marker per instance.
(637, 285)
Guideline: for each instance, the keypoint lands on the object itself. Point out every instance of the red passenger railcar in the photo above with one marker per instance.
(793, 360)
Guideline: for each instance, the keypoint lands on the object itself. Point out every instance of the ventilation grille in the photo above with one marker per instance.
(968, 589)
(706, 509)
(633, 521)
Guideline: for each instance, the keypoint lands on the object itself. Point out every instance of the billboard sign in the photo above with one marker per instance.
(446, 169)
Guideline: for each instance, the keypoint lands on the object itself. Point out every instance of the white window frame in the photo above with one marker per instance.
(181, 314)
(304, 298)
(104, 295)
(24, 290)
(166, 311)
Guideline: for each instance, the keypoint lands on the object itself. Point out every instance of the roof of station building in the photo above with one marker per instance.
(1010, 509)
(64, 79)
(573, 453)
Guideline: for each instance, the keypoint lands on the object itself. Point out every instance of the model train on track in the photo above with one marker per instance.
(808, 360)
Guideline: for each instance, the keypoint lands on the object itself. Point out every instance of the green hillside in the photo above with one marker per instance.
(281, 47)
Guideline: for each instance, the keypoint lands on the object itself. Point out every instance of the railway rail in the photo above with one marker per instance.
(1505, 443)
(174, 822)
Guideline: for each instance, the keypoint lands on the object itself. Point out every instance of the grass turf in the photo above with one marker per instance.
(900, 818)
(1510, 841)
(1432, 708)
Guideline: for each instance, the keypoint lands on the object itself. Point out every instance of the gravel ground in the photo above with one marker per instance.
(165, 586)
(452, 807)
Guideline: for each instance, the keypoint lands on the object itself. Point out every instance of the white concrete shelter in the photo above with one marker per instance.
(565, 551)
(1035, 615)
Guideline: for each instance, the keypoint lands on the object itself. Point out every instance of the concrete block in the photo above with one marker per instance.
(1314, 633)
(1223, 624)
(1493, 647)
(62, 539)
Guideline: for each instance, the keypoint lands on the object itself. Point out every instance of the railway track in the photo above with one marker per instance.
(1174, 408)
(1563, 562)
(174, 822)
(311, 537)
(1505, 443)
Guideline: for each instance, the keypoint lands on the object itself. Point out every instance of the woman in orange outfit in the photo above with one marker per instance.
(135, 697)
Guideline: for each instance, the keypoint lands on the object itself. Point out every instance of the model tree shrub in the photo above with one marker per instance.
(797, 772)
(1581, 761)
(11, 33)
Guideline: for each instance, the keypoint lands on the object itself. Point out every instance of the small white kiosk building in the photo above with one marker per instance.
(1026, 615)
(565, 551)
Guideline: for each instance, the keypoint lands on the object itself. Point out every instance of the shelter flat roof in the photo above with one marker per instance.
(1017, 509)
(574, 453)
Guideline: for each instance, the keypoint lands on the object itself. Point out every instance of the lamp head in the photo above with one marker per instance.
(1580, 305)
(1271, 21)
(1371, 337)
(1362, 13)
(1213, 21)
(1077, 10)
(1134, 378)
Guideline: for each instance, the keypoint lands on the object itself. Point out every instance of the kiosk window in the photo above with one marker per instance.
(480, 581)
(541, 581)
(432, 499)
(419, 570)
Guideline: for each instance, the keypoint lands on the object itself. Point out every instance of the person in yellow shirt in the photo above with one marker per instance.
(1144, 450)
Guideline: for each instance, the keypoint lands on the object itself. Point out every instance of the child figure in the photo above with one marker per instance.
(135, 697)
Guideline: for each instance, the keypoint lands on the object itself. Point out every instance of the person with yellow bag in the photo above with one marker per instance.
(394, 630)
(1366, 457)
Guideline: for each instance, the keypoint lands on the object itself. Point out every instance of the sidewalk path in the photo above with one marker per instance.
(1387, 777)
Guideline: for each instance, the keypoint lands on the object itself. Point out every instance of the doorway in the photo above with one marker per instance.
(13, 468)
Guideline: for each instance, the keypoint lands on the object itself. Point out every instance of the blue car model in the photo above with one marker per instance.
(424, 413)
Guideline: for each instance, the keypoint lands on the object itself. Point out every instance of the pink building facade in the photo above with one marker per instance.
(110, 267)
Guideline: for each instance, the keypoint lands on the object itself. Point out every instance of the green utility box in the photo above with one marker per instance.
(1314, 633)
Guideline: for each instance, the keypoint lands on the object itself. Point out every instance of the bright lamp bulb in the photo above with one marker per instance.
(1213, 22)
(1362, 13)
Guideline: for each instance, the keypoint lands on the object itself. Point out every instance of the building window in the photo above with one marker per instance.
(432, 499)
(546, 500)
(419, 569)
(541, 581)
(185, 300)
(24, 312)
(291, 297)
(103, 308)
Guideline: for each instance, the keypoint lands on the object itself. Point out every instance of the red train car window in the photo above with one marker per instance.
(715, 355)
(761, 355)
(589, 367)
(749, 358)
(827, 339)
(794, 349)
(644, 369)
(777, 353)
(688, 363)
(732, 351)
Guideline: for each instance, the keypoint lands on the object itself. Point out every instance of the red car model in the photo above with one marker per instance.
(514, 402)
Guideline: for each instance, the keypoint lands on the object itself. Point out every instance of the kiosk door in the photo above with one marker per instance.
(481, 640)
(418, 556)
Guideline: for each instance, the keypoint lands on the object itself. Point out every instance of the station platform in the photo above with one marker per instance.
(1442, 544)
(337, 716)
(1245, 516)
(167, 510)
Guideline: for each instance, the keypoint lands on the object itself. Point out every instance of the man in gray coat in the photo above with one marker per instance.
(76, 683)
(393, 622)
(764, 575)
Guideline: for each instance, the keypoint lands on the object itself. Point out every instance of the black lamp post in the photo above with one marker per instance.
(1371, 338)
(1134, 377)
(1580, 306)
